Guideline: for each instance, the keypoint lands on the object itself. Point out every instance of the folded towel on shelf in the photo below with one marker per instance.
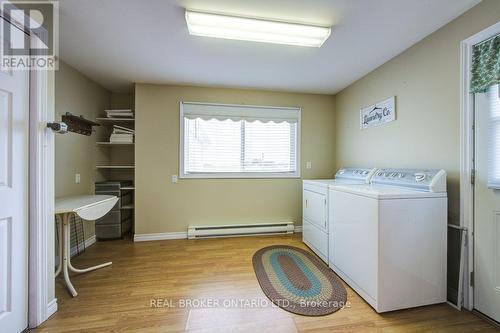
(119, 113)
(122, 130)
(121, 138)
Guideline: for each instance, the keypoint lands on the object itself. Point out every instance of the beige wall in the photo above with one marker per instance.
(162, 206)
(122, 101)
(76, 153)
(425, 81)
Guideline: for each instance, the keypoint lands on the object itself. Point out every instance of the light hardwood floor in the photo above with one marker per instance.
(118, 298)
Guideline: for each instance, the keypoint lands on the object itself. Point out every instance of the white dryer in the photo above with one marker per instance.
(388, 240)
(315, 205)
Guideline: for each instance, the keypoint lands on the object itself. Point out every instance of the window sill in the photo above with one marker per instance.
(240, 176)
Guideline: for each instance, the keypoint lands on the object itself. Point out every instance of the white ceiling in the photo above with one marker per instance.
(118, 42)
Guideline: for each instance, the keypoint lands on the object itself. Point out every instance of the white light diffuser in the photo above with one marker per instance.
(256, 30)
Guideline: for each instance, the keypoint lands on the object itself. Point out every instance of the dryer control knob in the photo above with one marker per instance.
(419, 177)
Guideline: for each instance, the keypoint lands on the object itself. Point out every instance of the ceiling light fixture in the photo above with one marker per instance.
(256, 30)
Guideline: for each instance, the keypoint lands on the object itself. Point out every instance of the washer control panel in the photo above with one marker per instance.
(432, 180)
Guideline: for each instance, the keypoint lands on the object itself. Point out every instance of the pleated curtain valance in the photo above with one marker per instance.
(485, 65)
(240, 112)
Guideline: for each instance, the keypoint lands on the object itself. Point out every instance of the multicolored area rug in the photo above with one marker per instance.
(297, 281)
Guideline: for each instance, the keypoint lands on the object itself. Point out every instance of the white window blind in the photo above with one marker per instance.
(239, 141)
(494, 137)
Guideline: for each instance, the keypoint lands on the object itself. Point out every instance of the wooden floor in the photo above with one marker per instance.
(119, 298)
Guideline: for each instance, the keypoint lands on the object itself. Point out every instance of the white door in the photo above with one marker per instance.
(14, 108)
(487, 204)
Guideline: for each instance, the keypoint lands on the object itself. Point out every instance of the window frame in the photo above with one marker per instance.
(238, 175)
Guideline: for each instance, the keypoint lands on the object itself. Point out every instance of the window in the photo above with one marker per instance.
(494, 137)
(239, 141)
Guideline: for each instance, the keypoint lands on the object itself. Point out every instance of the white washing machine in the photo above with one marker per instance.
(315, 203)
(388, 240)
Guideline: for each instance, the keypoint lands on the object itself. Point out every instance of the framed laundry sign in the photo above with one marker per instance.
(378, 114)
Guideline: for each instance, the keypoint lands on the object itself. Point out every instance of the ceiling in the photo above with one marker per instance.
(119, 42)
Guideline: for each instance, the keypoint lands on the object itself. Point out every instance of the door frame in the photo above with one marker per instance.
(467, 154)
(41, 154)
(41, 304)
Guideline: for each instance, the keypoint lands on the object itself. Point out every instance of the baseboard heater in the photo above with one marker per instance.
(234, 230)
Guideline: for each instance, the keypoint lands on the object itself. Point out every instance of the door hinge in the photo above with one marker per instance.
(325, 202)
(473, 177)
(471, 279)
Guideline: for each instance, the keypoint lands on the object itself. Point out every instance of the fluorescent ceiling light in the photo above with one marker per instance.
(256, 30)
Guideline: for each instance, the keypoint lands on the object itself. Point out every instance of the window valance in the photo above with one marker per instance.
(485, 65)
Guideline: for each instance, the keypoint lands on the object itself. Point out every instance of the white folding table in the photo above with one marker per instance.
(89, 208)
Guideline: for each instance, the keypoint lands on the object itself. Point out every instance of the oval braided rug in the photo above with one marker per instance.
(297, 281)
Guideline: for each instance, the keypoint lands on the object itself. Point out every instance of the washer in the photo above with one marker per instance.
(315, 203)
(388, 240)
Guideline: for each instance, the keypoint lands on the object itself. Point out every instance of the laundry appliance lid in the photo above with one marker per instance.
(333, 182)
(382, 192)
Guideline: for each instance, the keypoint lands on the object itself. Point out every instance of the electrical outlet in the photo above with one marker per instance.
(174, 179)
(77, 178)
(308, 165)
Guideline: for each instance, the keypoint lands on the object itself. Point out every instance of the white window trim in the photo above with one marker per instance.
(236, 175)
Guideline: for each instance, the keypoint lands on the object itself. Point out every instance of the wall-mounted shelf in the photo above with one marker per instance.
(115, 167)
(112, 121)
(115, 143)
(78, 124)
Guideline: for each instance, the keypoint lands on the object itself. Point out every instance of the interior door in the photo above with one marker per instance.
(487, 204)
(14, 117)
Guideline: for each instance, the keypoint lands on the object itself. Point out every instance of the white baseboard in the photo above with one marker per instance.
(175, 235)
(160, 236)
(51, 308)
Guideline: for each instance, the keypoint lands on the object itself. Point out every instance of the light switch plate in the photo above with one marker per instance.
(308, 165)
(174, 179)
(77, 178)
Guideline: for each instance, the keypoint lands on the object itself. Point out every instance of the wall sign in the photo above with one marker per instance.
(378, 114)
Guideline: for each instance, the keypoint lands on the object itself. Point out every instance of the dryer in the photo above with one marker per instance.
(388, 240)
(315, 206)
